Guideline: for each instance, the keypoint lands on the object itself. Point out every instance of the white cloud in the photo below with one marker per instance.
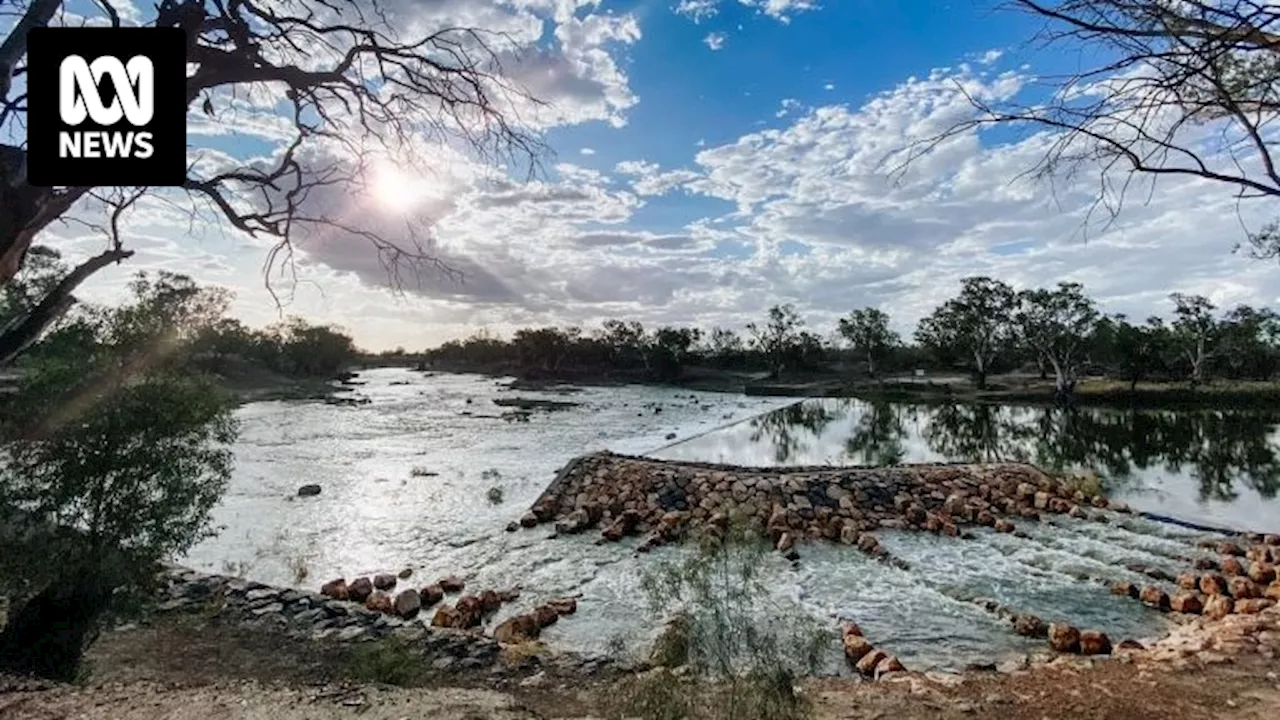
(715, 40)
(587, 151)
(787, 106)
(780, 10)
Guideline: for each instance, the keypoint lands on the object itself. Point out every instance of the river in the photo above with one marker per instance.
(408, 480)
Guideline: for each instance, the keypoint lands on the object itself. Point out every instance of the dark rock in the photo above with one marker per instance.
(360, 589)
(1094, 642)
(1064, 638)
(384, 581)
(308, 490)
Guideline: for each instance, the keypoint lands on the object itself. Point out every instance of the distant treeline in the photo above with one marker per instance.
(988, 327)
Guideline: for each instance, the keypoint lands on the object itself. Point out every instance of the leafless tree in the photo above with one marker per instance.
(354, 87)
(1169, 88)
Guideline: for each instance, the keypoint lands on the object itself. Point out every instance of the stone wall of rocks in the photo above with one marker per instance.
(452, 645)
(623, 495)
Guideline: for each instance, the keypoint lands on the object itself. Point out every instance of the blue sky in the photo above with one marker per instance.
(708, 166)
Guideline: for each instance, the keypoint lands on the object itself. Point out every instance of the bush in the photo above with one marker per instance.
(739, 652)
(391, 661)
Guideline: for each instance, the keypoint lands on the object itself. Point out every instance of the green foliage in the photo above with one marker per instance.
(1057, 325)
(739, 650)
(391, 661)
(780, 338)
(975, 326)
(867, 331)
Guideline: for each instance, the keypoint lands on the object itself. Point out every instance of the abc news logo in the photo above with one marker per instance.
(106, 106)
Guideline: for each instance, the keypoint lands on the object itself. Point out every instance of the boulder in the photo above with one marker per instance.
(1243, 588)
(855, 648)
(1250, 606)
(1125, 589)
(785, 542)
(336, 589)
(448, 617)
(1041, 500)
(471, 609)
(308, 491)
(1063, 637)
(1154, 597)
(1273, 591)
(1132, 645)
(1094, 642)
(509, 595)
(1230, 548)
(1213, 584)
(452, 584)
(405, 573)
(1004, 526)
(1188, 581)
(1272, 540)
(379, 601)
(888, 665)
(360, 589)
(384, 581)
(1218, 607)
(431, 594)
(407, 603)
(1186, 602)
(849, 627)
(528, 520)
(1231, 566)
(563, 605)
(1028, 625)
(546, 615)
(517, 629)
(1205, 563)
(490, 601)
(1261, 573)
(869, 662)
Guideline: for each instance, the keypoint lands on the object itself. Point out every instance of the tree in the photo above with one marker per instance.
(1135, 349)
(626, 342)
(725, 347)
(1057, 324)
(350, 83)
(977, 324)
(778, 338)
(867, 331)
(669, 350)
(1248, 341)
(114, 454)
(1195, 331)
(1159, 78)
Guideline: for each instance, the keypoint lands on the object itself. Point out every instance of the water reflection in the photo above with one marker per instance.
(1223, 451)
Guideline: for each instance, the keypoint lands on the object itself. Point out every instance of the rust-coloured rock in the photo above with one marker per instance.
(407, 603)
(786, 542)
(888, 665)
(1029, 625)
(1131, 645)
(1213, 584)
(1218, 607)
(855, 648)
(867, 665)
(471, 608)
(431, 594)
(517, 629)
(1273, 591)
(1094, 642)
(1231, 566)
(1125, 589)
(336, 589)
(1188, 581)
(360, 589)
(1004, 526)
(1261, 573)
(1063, 637)
(546, 615)
(1186, 602)
(1153, 596)
(384, 581)
(452, 584)
(490, 601)
(1230, 548)
(448, 617)
(1250, 606)
(1242, 588)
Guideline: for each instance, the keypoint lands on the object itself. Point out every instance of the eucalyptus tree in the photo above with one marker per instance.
(977, 325)
(1058, 325)
(867, 332)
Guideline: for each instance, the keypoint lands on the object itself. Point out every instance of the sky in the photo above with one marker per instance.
(711, 158)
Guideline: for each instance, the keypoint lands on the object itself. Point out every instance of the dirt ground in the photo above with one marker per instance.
(177, 672)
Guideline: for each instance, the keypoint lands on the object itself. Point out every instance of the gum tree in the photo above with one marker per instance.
(867, 331)
(977, 325)
(1058, 325)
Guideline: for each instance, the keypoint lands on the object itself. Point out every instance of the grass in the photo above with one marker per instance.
(390, 661)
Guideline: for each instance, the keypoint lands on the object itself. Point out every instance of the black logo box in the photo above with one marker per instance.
(166, 165)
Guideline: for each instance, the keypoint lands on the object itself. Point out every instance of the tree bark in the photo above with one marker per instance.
(24, 330)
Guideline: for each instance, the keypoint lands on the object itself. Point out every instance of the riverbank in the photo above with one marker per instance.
(191, 667)
(930, 388)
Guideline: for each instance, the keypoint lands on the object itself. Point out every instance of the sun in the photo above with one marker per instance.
(397, 191)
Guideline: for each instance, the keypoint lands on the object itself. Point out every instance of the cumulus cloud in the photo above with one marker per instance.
(715, 40)
(780, 10)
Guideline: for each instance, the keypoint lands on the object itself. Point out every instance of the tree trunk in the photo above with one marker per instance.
(48, 634)
(980, 372)
(1044, 371)
(24, 330)
(871, 366)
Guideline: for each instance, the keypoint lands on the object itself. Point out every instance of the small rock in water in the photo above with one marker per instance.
(384, 581)
(671, 436)
(308, 490)
(405, 573)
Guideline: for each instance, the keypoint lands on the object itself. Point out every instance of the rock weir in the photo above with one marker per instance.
(625, 495)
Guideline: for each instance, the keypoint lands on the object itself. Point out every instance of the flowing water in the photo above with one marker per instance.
(408, 480)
